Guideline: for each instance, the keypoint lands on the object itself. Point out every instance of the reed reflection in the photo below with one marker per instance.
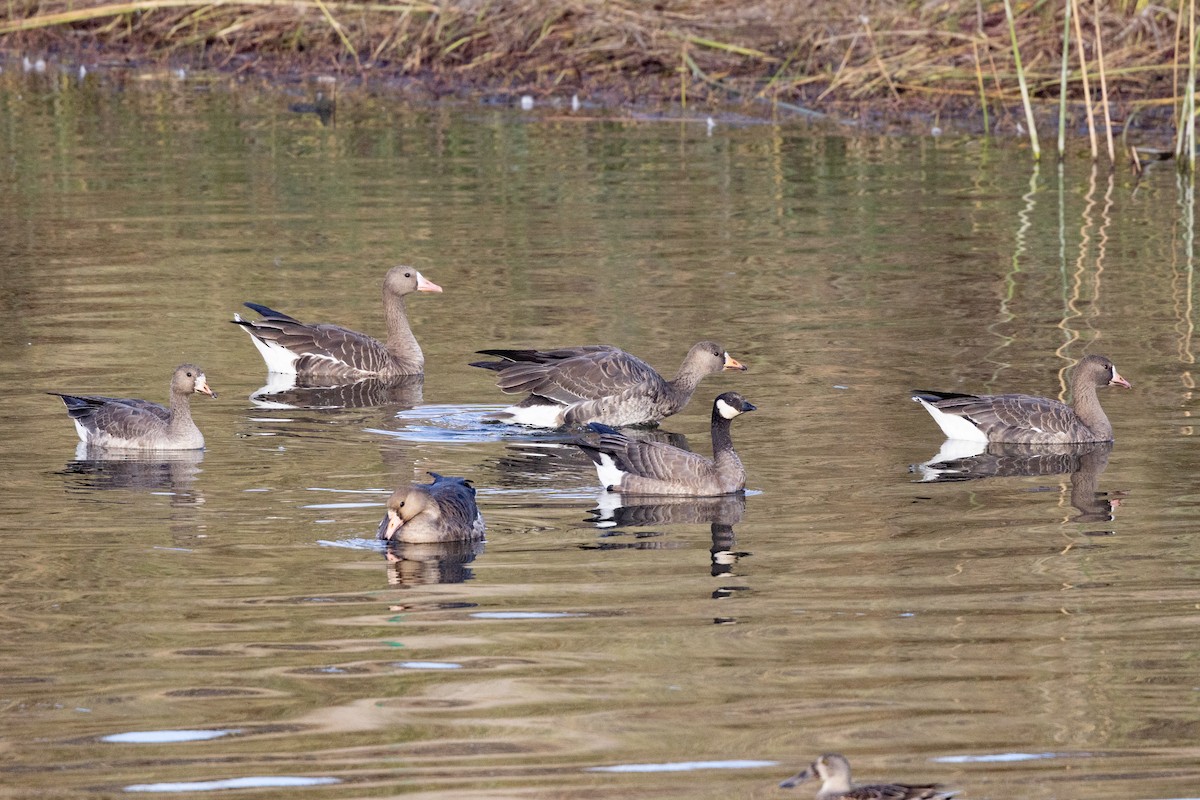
(1085, 462)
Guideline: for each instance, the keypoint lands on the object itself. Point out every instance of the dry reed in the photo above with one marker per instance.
(826, 54)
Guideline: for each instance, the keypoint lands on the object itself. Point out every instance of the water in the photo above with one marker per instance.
(224, 621)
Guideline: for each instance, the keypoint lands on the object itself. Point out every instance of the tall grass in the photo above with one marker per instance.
(820, 54)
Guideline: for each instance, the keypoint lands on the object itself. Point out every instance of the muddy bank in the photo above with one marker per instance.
(947, 66)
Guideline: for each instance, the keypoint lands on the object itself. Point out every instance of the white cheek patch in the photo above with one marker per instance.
(727, 411)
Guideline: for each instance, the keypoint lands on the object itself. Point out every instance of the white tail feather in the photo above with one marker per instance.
(954, 426)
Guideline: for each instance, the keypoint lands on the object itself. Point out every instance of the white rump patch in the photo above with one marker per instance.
(610, 474)
(727, 411)
(539, 416)
(279, 358)
(954, 426)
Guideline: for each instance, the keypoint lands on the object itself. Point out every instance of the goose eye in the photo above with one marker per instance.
(408, 274)
(401, 504)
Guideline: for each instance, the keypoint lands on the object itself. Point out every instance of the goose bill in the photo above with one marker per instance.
(426, 285)
(797, 779)
(389, 525)
(202, 388)
(732, 364)
(1117, 380)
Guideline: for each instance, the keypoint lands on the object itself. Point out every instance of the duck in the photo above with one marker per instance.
(291, 347)
(1025, 419)
(834, 770)
(112, 422)
(441, 511)
(598, 383)
(632, 466)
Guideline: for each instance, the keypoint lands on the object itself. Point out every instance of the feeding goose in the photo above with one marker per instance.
(598, 383)
(297, 348)
(631, 466)
(834, 771)
(1024, 419)
(140, 424)
(441, 511)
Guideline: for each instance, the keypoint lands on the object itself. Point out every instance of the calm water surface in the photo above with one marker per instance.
(224, 621)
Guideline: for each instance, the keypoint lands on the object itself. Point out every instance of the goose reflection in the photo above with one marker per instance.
(313, 392)
(413, 564)
(536, 463)
(721, 513)
(96, 468)
(1085, 462)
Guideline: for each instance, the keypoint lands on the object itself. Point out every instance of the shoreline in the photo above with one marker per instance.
(902, 70)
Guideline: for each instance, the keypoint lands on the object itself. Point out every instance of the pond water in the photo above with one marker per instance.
(224, 622)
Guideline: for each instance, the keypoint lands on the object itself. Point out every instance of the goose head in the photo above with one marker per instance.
(190, 379)
(732, 404)
(404, 280)
(709, 357)
(405, 504)
(1101, 372)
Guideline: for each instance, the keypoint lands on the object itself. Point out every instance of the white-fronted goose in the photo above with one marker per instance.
(140, 424)
(630, 466)
(834, 771)
(1024, 419)
(293, 347)
(441, 511)
(598, 383)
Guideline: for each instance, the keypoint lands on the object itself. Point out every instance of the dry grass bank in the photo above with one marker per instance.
(888, 56)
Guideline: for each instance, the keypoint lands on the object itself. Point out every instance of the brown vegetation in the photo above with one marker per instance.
(887, 55)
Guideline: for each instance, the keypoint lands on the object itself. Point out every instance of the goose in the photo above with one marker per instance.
(834, 770)
(631, 466)
(1024, 419)
(441, 511)
(598, 383)
(292, 347)
(140, 424)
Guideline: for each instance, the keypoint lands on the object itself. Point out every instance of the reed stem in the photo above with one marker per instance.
(1012, 31)
(1062, 82)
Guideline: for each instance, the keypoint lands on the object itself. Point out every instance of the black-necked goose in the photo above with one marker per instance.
(441, 511)
(631, 466)
(598, 383)
(296, 348)
(834, 771)
(140, 424)
(1025, 419)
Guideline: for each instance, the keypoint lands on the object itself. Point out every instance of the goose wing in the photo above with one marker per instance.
(897, 791)
(571, 374)
(649, 459)
(119, 418)
(1006, 412)
(317, 346)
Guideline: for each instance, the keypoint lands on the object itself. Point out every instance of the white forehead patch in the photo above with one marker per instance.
(727, 411)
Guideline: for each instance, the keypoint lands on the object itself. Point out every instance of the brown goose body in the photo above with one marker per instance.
(289, 346)
(121, 423)
(598, 383)
(1025, 419)
(834, 771)
(441, 511)
(630, 466)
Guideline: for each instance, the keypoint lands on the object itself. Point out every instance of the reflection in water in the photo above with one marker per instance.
(161, 471)
(413, 564)
(965, 461)
(285, 391)
(635, 511)
(544, 456)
